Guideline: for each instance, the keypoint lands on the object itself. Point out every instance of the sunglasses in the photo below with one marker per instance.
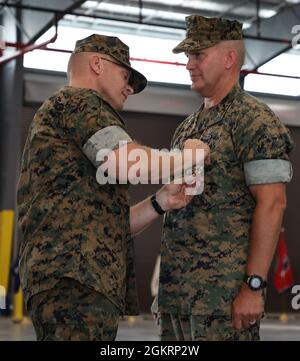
(114, 62)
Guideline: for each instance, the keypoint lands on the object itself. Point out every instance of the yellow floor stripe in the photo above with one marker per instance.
(18, 306)
(6, 239)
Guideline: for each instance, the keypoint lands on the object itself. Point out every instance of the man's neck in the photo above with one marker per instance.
(82, 83)
(221, 91)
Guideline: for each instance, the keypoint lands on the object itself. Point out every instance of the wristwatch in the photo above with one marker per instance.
(156, 205)
(255, 282)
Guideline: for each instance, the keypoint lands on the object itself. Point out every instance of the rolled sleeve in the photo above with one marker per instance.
(106, 139)
(266, 171)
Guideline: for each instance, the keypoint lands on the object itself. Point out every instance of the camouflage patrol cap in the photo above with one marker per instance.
(114, 47)
(205, 32)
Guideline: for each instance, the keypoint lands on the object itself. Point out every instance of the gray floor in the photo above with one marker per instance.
(143, 329)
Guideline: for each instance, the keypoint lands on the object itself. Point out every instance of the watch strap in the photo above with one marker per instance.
(248, 277)
(156, 205)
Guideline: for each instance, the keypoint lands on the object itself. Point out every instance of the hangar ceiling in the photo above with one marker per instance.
(267, 23)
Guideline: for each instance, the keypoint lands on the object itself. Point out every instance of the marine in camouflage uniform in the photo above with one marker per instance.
(76, 233)
(205, 245)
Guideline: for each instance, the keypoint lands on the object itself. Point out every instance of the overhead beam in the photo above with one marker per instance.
(281, 24)
(81, 12)
(58, 16)
(60, 13)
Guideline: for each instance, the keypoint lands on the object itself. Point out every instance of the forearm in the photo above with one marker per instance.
(265, 228)
(142, 215)
(169, 196)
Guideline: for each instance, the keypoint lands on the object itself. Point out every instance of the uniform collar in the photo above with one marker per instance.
(215, 114)
(228, 98)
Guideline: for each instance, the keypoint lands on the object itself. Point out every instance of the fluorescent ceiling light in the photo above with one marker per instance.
(284, 64)
(135, 11)
(121, 9)
(89, 4)
(115, 26)
(293, 1)
(267, 13)
(272, 85)
(246, 25)
(201, 5)
(166, 2)
(205, 5)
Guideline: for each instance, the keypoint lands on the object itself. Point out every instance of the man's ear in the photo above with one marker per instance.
(230, 58)
(96, 64)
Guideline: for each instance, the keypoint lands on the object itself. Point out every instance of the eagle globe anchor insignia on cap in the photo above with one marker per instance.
(114, 47)
(202, 32)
